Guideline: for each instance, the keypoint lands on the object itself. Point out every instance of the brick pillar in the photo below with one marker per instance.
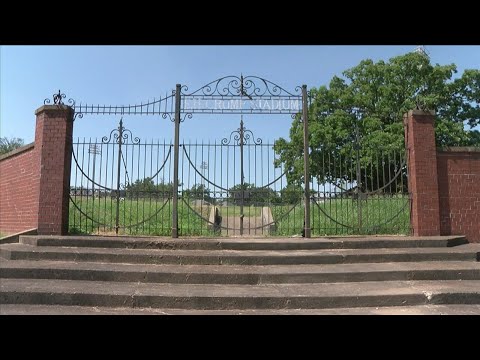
(53, 141)
(422, 172)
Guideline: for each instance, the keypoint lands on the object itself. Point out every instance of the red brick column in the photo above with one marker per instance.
(53, 142)
(422, 172)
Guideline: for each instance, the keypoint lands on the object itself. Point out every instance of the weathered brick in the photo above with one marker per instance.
(28, 200)
(422, 181)
(459, 193)
(18, 211)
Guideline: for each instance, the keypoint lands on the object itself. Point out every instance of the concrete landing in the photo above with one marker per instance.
(246, 243)
(388, 310)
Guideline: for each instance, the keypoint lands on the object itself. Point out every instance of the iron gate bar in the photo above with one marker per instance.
(120, 136)
(161, 106)
(233, 229)
(235, 86)
(84, 174)
(395, 176)
(226, 88)
(359, 178)
(384, 165)
(231, 141)
(175, 162)
(122, 139)
(402, 209)
(196, 170)
(331, 211)
(306, 163)
(120, 226)
(242, 136)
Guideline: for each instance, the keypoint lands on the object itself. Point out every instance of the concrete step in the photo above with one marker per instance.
(468, 252)
(262, 243)
(8, 309)
(230, 297)
(239, 274)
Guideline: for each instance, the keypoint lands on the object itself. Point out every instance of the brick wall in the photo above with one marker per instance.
(444, 184)
(35, 180)
(459, 192)
(19, 190)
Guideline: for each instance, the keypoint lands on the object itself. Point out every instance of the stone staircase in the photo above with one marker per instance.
(354, 275)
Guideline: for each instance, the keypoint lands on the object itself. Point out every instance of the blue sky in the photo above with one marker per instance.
(132, 74)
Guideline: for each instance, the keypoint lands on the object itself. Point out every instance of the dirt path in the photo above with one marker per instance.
(249, 223)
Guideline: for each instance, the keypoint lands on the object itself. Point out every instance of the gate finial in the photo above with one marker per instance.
(57, 99)
(241, 85)
(242, 88)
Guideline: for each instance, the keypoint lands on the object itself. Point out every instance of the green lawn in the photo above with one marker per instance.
(379, 215)
(158, 220)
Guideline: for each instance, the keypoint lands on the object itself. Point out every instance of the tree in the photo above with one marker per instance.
(291, 194)
(147, 188)
(164, 190)
(475, 138)
(199, 192)
(372, 98)
(256, 196)
(144, 185)
(7, 145)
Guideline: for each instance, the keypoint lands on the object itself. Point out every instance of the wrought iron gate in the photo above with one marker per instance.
(235, 185)
(121, 185)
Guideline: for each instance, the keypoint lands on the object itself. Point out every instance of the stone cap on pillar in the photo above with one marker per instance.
(417, 112)
(53, 108)
(421, 112)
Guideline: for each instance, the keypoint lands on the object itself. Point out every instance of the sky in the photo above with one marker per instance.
(117, 75)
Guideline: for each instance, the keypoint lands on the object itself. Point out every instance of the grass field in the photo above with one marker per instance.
(156, 213)
(379, 215)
